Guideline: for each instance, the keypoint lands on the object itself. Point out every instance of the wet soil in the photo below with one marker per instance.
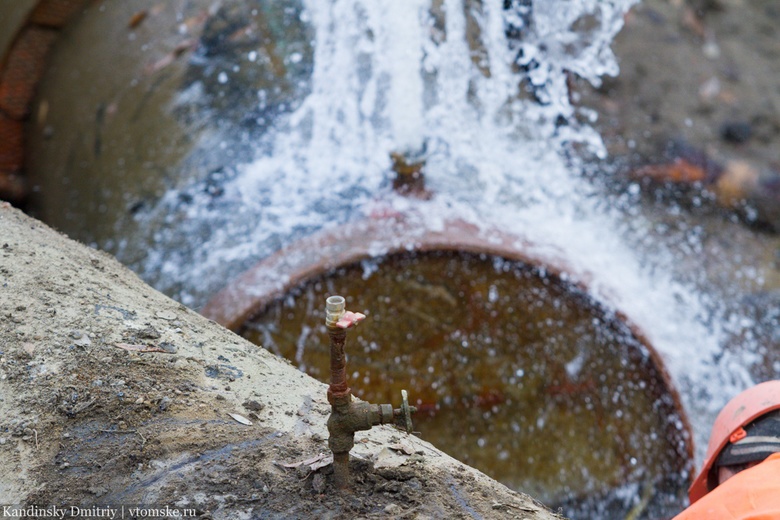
(113, 394)
(697, 83)
(700, 71)
(692, 126)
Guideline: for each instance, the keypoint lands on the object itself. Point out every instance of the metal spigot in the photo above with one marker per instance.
(348, 417)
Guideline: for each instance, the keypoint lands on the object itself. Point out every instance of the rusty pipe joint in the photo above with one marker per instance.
(344, 421)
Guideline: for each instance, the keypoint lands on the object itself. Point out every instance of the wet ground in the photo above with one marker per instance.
(697, 84)
(113, 394)
(704, 72)
(692, 129)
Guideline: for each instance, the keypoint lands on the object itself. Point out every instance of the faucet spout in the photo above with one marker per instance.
(347, 416)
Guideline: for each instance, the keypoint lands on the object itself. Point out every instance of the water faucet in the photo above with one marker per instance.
(348, 416)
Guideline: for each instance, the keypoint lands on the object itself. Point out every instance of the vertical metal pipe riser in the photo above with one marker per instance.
(348, 417)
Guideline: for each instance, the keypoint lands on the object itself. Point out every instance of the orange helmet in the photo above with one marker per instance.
(738, 413)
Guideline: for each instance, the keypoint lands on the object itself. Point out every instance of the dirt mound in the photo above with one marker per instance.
(113, 395)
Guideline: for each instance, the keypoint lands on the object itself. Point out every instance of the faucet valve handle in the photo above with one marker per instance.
(403, 415)
(338, 317)
(349, 319)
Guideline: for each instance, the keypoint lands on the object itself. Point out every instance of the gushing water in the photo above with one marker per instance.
(479, 90)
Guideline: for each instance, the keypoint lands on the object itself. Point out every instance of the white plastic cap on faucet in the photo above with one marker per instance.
(335, 307)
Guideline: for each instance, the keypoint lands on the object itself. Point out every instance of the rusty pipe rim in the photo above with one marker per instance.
(275, 276)
(370, 238)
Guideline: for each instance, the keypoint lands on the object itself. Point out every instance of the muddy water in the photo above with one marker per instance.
(514, 372)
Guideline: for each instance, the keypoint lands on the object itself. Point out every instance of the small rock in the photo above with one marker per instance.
(166, 315)
(170, 348)
(403, 448)
(393, 509)
(98, 490)
(318, 483)
(255, 406)
(83, 341)
(157, 464)
(736, 132)
(389, 459)
(149, 332)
